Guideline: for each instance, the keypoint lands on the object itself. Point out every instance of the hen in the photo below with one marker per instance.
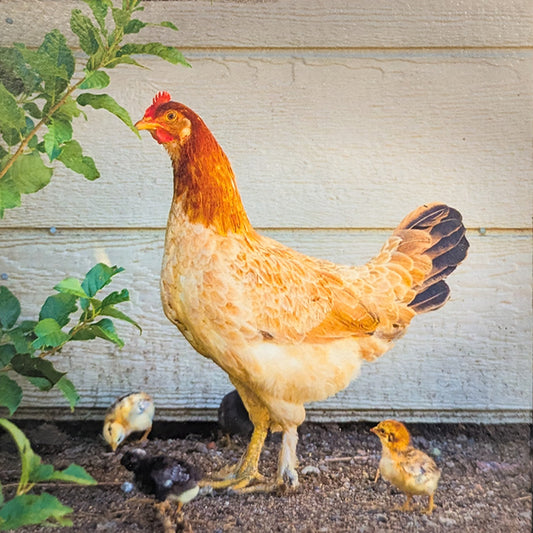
(407, 468)
(287, 328)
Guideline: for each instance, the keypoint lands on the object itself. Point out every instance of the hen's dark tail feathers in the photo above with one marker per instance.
(447, 248)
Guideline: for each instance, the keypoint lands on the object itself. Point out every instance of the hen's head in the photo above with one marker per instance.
(392, 434)
(167, 121)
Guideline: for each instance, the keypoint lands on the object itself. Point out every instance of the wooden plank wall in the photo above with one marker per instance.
(339, 118)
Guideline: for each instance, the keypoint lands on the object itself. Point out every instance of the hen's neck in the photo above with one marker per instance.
(205, 186)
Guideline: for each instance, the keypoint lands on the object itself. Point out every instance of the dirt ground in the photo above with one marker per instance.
(486, 482)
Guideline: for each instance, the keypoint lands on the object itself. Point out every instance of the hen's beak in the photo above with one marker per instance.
(145, 124)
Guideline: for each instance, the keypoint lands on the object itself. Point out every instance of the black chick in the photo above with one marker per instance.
(164, 477)
(233, 417)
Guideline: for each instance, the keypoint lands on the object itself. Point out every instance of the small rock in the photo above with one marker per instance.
(446, 521)
(436, 452)
(126, 487)
(381, 518)
(306, 470)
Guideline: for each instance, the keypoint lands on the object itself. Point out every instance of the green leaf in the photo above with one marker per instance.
(168, 53)
(74, 474)
(28, 458)
(9, 308)
(12, 120)
(59, 132)
(96, 80)
(54, 63)
(134, 26)
(115, 313)
(71, 156)
(99, 9)
(28, 509)
(69, 391)
(33, 109)
(83, 27)
(59, 307)
(116, 298)
(104, 101)
(168, 24)
(10, 394)
(71, 286)
(7, 352)
(120, 16)
(98, 277)
(28, 174)
(49, 334)
(84, 334)
(15, 74)
(105, 329)
(22, 336)
(68, 110)
(36, 367)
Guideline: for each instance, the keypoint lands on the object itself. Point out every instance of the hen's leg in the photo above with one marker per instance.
(246, 470)
(287, 459)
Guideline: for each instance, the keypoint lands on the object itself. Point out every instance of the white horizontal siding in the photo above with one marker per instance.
(339, 118)
(304, 24)
(473, 355)
(340, 140)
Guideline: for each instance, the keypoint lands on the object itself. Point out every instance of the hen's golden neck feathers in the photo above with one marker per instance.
(204, 183)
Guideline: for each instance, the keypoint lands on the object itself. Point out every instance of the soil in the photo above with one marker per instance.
(486, 482)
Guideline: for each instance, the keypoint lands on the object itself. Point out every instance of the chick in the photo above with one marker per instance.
(233, 418)
(166, 478)
(409, 469)
(130, 413)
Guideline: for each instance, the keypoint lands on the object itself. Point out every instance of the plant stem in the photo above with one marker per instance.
(41, 123)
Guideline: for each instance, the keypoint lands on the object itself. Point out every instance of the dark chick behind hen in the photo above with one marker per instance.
(233, 418)
(162, 476)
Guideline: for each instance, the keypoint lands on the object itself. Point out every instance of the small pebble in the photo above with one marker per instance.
(53, 230)
(9, 20)
(448, 522)
(126, 487)
(306, 470)
(4, 276)
(436, 452)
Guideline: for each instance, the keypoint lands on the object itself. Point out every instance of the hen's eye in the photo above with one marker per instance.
(170, 115)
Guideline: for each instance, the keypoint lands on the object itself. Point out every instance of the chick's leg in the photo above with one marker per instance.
(407, 504)
(431, 504)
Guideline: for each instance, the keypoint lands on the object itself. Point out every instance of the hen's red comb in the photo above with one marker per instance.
(161, 97)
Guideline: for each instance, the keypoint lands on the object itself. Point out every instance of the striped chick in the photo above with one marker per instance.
(129, 414)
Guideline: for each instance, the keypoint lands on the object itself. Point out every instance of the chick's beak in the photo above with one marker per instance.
(145, 124)
(374, 430)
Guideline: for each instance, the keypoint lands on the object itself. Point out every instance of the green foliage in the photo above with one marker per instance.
(40, 85)
(25, 346)
(26, 509)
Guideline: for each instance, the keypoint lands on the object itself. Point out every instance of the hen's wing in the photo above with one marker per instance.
(296, 298)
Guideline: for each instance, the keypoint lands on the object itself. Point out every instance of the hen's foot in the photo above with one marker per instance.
(232, 479)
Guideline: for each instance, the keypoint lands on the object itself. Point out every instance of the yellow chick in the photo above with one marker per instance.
(409, 469)
(129, 414)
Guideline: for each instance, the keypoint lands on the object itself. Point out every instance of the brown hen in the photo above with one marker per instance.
(287, 328)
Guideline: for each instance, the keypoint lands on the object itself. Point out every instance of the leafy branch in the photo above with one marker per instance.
(37, 85)
(24, 346)
(25, 509)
